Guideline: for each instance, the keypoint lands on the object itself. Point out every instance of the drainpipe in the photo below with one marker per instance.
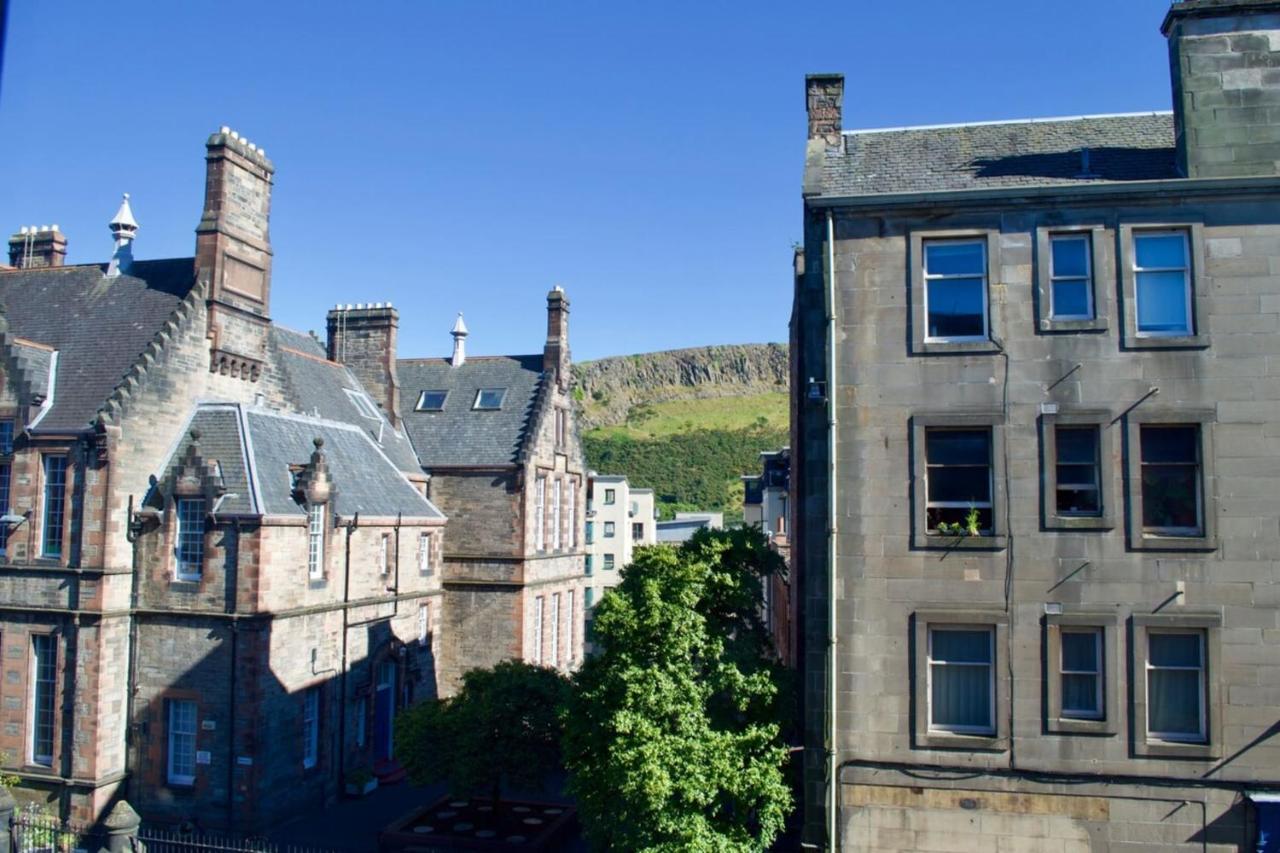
(131, 750)
(342, 670)
(833, 666)
(234, 580)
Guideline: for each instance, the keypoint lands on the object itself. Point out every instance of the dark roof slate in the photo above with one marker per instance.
(99, 326)
(319, 387)
(460, 435)
(221, 441)
(995, 155)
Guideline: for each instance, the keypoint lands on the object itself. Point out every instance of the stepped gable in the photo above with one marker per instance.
(460, 435)
(99, 327)
(320, 387)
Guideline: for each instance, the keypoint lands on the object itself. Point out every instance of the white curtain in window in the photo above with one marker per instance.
(960, 672)
(1174, 686)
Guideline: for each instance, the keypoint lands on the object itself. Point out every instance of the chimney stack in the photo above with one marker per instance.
(123, 229)
(824, 102)
(233, 252)
(459, 342)
(364, 339)
(37, 247)
(1224, 61)
(555, 355)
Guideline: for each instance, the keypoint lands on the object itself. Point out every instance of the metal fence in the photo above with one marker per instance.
(177, 840)
(35, 830)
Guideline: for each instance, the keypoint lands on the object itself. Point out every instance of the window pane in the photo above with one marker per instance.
(954, 259)
(1162, 302)
(1174, 649)
(970, 484)
(1169, 495)
(961, 696)
(1173, 702)
(961, 646)
(431, 401)
(1080, 695)
(1077, 501)
(958, 446)
(1079, 651)
(955, 308)
(1169, 444)
(1070, 256)
(1077, 444)
(1160, 250)
(1071, 298)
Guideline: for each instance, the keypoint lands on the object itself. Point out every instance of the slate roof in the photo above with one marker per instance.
(318, 387)
(99, 326)
(257, 470)
(1036, 152)
(460, 435)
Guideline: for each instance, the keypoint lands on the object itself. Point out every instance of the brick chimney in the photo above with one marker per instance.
(555, 355)
(1224, 60)
(233, 252)
(37, 247)
(824, 102)
(364, 339)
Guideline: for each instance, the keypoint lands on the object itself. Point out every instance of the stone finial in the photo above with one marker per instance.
(123, 229)
(459, 333)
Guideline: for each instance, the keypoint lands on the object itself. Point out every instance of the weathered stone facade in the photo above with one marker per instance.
(1025, 772)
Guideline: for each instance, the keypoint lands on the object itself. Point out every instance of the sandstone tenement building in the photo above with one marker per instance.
(1035, 467)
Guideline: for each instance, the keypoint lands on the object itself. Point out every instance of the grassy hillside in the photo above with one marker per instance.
(657, 420)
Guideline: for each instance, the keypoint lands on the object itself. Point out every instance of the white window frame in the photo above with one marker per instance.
(540, 513)
(384, 554)
(556, 488)
(990, 665)
(185, 569)
(555, 630)
(610, 530)
(424, 553)
(363, 404)
(1185, 269)
(609, 561)
(49, 642)
(1086, 238)
(537, 631)
(182, 724)
(928, 278)
(1202, 735)
(502, 396)
(572, 511)
(310, 727)
(1098, 673)
(610, 497)
(315, 541)
(424, 622)
(420, 406)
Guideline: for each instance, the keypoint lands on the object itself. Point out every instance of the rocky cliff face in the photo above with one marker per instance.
(609, 387)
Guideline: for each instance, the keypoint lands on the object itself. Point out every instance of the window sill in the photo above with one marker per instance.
(934, 542)
(953, 347)
(1096, 324)
(949, 740)
(1173, 749)
(1073, 726)
(1080, 522)
(184, 585)
(1167, 342)
(1174, 543)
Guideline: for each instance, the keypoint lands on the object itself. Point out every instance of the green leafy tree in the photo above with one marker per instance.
(673, 731)
(501, 729)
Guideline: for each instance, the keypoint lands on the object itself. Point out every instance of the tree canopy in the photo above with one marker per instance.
(673, 731)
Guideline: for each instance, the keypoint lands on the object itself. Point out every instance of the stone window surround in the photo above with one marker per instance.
(1070, 416)
(1102, 273)
(996, 620)
(1204, 418)
(1211, 625)
(1112, 671)
(919, 320)
(164, 699)
(1199, 287)
(920, 537)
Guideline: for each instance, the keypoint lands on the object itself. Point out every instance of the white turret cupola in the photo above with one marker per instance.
(123, 229)
(459, 342)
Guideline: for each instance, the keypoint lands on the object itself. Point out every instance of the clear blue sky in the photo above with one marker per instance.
(466, 156)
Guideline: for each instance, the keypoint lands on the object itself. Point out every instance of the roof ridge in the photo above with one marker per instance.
(27, 342)
(293, 351)
(994, 122)
(471, 358)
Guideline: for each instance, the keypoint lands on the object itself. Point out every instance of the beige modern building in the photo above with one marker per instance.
(1035, 467)
(619, 518)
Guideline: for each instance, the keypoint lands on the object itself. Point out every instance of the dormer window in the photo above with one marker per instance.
(431, 401)
(489, 399)
(362, 402)
(188, 540)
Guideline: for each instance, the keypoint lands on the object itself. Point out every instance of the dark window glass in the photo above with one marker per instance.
(1171, 499)
(959, 477)
(55, 504)
(956, 289)
(608, 561)
(490, 398)
(6, 437)
(1077, 470)
(608, 529)
(1082, 673)
(637, 531)
(960, 680)
(5, 469)
(44, 650)
(1072, 285)
(432, 401)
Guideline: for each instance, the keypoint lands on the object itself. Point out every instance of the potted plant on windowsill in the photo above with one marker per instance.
(968, 528)
(360, 782)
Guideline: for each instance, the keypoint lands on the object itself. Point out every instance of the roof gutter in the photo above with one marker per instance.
(1082, 192)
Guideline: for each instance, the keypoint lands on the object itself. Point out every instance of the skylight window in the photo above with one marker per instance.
(489, 398)
(362, 402)
(431, 401)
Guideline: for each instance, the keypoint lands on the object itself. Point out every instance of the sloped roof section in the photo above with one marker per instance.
(319, 388)
(221, 442)
(1038, 152)
(98, 325)
(461, 435)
